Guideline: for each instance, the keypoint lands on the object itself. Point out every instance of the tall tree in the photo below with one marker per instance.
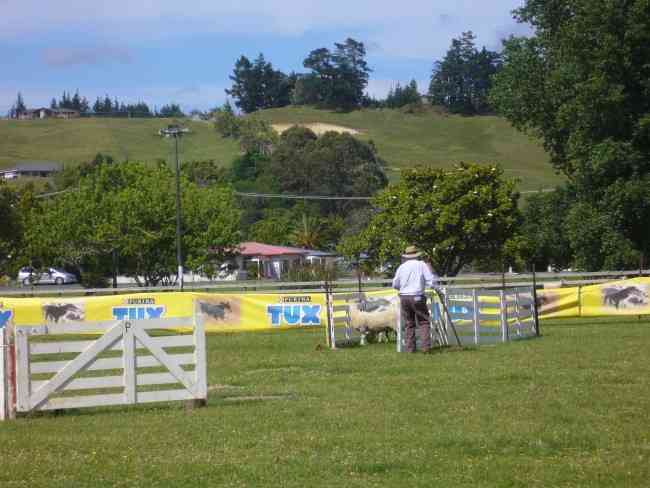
(12, 229)
(171, 110)
(333, 164)
(350, 57)
(107, 106)
(128, 209)
(337, 79)
(461, 81)
(455, 217)
(401, 96)
(18, 107)
(581, 84)
(257, 85)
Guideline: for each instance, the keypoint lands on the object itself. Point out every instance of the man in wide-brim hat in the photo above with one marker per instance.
(411, 280)
(412, 252)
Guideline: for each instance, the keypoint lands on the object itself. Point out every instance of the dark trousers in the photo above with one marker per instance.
(415, 314)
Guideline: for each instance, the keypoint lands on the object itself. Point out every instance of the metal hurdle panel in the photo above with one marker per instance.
(460, 304)
(520, 313)
(480, 316)
(490, 317)
(340, 332)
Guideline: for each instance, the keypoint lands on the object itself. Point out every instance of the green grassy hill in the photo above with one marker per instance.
(77, 140)
(402, 139)
(433, 138)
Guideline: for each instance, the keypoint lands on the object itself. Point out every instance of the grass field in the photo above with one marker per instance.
(570, 409)
(403, 140)
(77, 140)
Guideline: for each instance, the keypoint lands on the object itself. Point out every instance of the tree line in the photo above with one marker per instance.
(335, 79)
(103, 106)
(338, 78)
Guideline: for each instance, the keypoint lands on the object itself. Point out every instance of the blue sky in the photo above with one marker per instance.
(161, 51)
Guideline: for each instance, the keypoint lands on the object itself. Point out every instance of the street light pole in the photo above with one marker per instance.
(179, 253)
(176, 132)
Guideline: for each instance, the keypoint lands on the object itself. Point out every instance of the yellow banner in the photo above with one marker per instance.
(240, 312)
(627, 297)
(220, 312)
(558, 303)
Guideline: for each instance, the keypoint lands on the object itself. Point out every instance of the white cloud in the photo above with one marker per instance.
(413, 28)
(62, 57)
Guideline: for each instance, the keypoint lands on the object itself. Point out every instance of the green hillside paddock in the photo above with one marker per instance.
(403, 140)
(438, 139)
(569, 409)
(78, 140)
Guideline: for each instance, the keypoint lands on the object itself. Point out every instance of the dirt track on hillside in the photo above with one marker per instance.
(318, 128)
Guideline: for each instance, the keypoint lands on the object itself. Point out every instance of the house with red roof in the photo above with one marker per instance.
(274, 261)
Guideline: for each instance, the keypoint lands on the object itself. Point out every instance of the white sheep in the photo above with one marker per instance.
(374, 317)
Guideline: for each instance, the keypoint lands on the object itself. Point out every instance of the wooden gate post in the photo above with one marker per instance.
(329, 302)
(8, 380)
(476, 317)
(504, 316)
(3, 376)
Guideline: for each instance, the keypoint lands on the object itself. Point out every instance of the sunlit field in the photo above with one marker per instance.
(568, 409)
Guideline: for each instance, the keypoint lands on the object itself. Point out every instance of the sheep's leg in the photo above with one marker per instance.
(364, 340)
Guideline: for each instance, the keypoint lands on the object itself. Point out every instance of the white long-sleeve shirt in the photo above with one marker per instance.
(413, 277)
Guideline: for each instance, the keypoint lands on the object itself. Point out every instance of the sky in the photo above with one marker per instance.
(162, 51)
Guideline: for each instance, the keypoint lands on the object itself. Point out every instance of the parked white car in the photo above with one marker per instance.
(28, 276)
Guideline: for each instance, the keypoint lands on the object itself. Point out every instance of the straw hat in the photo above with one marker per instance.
(412, 252)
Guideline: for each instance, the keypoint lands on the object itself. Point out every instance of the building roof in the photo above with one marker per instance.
(320, 254)
(48, 109)
(34, 166)
(63, 110)
(259, 249)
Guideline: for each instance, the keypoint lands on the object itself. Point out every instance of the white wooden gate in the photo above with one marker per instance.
(48, 378)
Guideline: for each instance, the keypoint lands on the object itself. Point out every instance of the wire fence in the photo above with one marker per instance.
(469, 281)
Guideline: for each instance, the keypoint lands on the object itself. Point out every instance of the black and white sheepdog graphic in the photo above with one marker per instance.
(216, 311)
(625, 296)
(63, 312)
(372, 305)
(547, 301)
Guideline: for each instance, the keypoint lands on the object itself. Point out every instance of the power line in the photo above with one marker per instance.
(47, 195)
(544, 190)
(298, 197)
(286, 196)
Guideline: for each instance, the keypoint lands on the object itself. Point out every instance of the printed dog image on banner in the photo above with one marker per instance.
(220, 311)
(57, 313)
(558, 302)
(621, 296)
